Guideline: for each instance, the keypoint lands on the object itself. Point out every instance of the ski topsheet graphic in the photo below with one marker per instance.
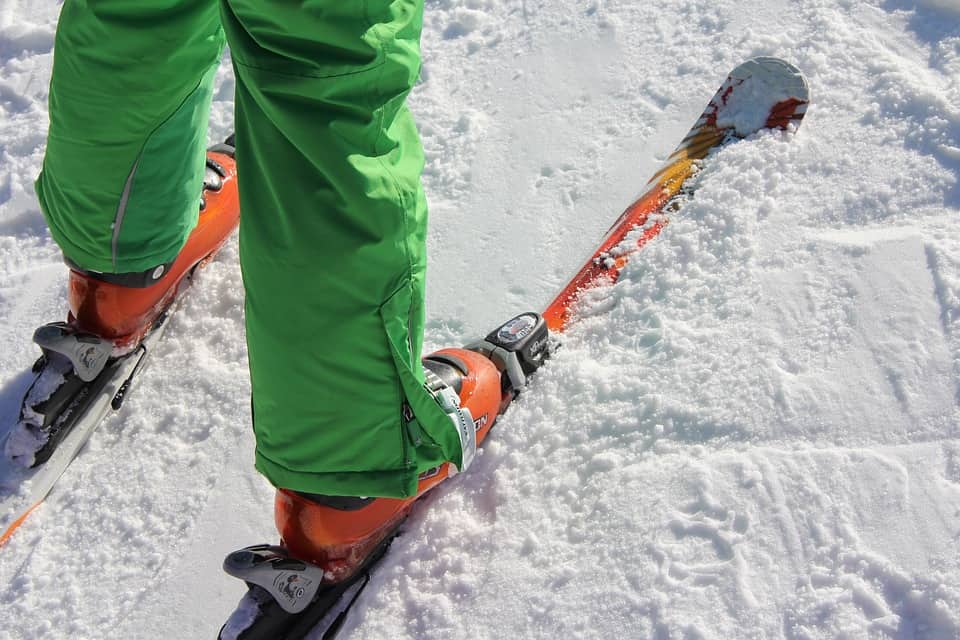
(81, 378)
(761, 93)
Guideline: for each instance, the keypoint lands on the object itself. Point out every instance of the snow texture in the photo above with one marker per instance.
(754, 434)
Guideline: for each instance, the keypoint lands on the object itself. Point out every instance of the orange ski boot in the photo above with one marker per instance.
(341, 534)
(123, 307)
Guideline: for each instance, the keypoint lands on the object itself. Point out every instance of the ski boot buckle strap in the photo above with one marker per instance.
(461, 418)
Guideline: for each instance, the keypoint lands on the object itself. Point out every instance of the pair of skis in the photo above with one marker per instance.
(760, 93)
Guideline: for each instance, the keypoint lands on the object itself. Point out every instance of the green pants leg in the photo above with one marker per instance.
(129, 102)
(332, 243)
(332, 226)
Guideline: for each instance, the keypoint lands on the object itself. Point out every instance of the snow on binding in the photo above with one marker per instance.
(290, 598)
(90, 361)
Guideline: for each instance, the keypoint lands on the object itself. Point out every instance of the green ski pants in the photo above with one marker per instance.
(333, 223)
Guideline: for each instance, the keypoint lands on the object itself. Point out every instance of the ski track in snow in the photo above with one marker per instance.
(755, 434)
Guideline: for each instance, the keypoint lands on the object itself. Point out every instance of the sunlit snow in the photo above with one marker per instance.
(754, 434)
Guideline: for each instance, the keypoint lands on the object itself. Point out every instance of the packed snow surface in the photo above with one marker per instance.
(754, 434)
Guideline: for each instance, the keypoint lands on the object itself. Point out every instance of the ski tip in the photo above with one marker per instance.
(761, 93)
(776, 74)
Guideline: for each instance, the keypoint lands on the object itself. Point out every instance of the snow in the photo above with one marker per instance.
(754, 434)
(26, 438)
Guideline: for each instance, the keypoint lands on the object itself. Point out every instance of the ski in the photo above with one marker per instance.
(82, 377)
(289, 599)
(761, 93)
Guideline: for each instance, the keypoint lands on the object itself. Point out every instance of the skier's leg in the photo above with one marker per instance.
(129, 101)
(332, 245)
(121, 190)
